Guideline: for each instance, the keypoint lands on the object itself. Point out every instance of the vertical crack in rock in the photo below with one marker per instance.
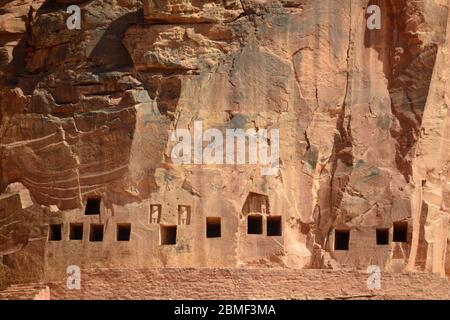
(411, 63)
(87, 116)
(408, 47)
(342, 158)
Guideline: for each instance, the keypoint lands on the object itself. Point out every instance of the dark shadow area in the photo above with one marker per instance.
(165, 89)
(274, 227)
(256, 203)
(55, 232)
(96, 233)
(422, 247)
(123, 232)
(400, 231)
(168, 235)
(382, 236)
(254, 224)
(92, 206)
(213, 227)
(408, 66)
(110, 54)
(76, 231)
(341, 239)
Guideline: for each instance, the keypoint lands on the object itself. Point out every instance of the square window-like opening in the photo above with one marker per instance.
(254, 224)
(54, 232)
(341, 239)
(123, 232)
(92, 206)
(382, 236)
(96, 233)
(168, 235)
(76, 231)
(401, 231)
(213, 229)
(274, 226)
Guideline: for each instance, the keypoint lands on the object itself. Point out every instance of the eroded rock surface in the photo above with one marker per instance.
(87, 115)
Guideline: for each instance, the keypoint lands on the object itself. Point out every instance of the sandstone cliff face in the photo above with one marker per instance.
(88, 114)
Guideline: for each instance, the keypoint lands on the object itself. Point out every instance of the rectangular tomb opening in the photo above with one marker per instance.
(168, 235)
(123, 231)
(213, 227)
(92, 206)
(54, 232)
(274, 226)
(254, 224)
(401, 231)
(382, 236)
(96, 233)
(341, 239)
(76, 231)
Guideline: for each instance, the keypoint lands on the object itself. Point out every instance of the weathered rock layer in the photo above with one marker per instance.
(87, 115)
